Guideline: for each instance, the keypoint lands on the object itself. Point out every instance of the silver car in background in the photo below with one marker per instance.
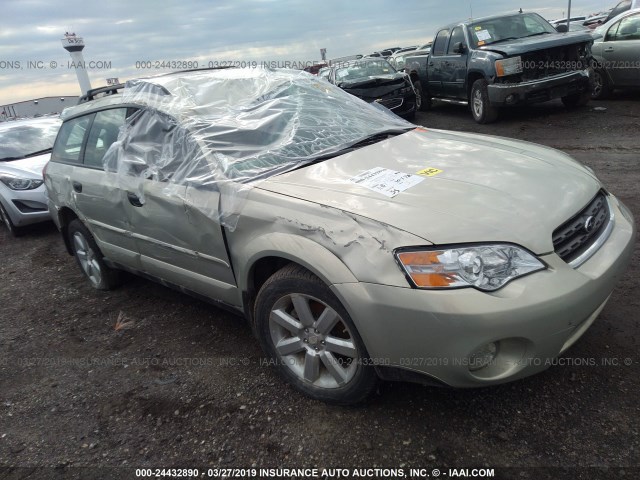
(25, 148)
(358, 245)
(616, 54)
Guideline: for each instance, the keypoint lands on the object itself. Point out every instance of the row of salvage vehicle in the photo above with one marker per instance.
(500, 61)
(358, 246)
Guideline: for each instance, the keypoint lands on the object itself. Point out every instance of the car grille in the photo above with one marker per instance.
(390, 103)
(553, 61)
(575, 236)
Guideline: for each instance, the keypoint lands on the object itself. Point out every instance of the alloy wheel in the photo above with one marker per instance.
(87, 258)
(313, 341)
(477, 103)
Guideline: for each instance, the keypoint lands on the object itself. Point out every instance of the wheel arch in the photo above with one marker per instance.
(267, 254)
(65, 217)
(472, 76)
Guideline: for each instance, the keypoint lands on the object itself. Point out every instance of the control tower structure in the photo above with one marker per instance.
(74, 45)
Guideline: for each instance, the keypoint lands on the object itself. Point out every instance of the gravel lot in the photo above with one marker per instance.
(182, 384)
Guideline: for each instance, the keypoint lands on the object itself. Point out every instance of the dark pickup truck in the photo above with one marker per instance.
(503, 61)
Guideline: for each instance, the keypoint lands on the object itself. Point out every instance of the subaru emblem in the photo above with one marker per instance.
(589, 223)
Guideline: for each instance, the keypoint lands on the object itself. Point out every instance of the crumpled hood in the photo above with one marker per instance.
(490, 188)
(27, 167)
(539, 42)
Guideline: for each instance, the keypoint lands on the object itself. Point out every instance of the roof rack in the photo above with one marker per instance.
(203, 69)
(108, 90)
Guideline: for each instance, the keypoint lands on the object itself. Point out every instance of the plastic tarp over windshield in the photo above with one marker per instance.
(225, 130)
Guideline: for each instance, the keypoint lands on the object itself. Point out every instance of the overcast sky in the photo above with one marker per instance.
(119, 33)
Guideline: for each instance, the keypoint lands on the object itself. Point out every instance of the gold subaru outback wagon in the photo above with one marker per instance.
(359, 246)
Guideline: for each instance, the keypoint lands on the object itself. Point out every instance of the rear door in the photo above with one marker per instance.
(80, 177)
(437, 63)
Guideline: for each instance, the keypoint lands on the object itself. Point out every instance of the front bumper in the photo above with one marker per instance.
(533, 319)
(25, 207)
(501, 94)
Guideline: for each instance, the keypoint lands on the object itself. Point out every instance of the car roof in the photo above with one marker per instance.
(605, 26)
(483, 19)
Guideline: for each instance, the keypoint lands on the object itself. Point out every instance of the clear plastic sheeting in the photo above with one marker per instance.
(225, 130)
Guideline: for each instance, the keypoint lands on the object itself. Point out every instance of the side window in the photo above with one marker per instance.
(69, 140)
(457, 35)
(629, 28)
(611, 34)
(104, 132)
(440, 43)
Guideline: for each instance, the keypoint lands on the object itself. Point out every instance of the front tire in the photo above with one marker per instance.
(308, 335)
(481, 109)
(601, 86)
(4, 217)
(90, 258)
(576, 100)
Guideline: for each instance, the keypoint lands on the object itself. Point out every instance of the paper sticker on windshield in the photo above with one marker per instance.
(429, 172)
(387, 182)
(483, 35)
(478, 28)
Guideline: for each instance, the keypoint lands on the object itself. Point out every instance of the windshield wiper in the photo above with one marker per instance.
(501, 40)
(539, 33)
(8, 159)
(38, 152)
(371, 139)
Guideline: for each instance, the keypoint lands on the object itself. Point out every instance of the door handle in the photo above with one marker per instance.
(134, 199)
(77, 186)
(610, 49)
(431, 64)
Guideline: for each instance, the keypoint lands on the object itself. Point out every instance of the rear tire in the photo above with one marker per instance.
(90, 258)
(481, 109)
(4, 217)
(311, 340)
(423, 100)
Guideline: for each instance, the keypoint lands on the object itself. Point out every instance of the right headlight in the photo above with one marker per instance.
(486, 267)
(19, 183)
(508, 66)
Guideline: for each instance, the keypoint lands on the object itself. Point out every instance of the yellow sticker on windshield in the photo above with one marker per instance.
(429, 172)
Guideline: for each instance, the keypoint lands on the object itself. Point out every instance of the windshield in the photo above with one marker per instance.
(21, 138)
(363, 69)
(508, 28)
(242, 125)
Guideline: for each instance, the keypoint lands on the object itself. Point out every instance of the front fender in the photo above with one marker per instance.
(303, 251)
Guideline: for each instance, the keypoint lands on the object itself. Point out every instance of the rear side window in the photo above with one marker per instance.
(104, 131)
(69, 141)
(440, 43)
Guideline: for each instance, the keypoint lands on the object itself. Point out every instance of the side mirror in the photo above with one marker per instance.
(562, 28)
(459, 47)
